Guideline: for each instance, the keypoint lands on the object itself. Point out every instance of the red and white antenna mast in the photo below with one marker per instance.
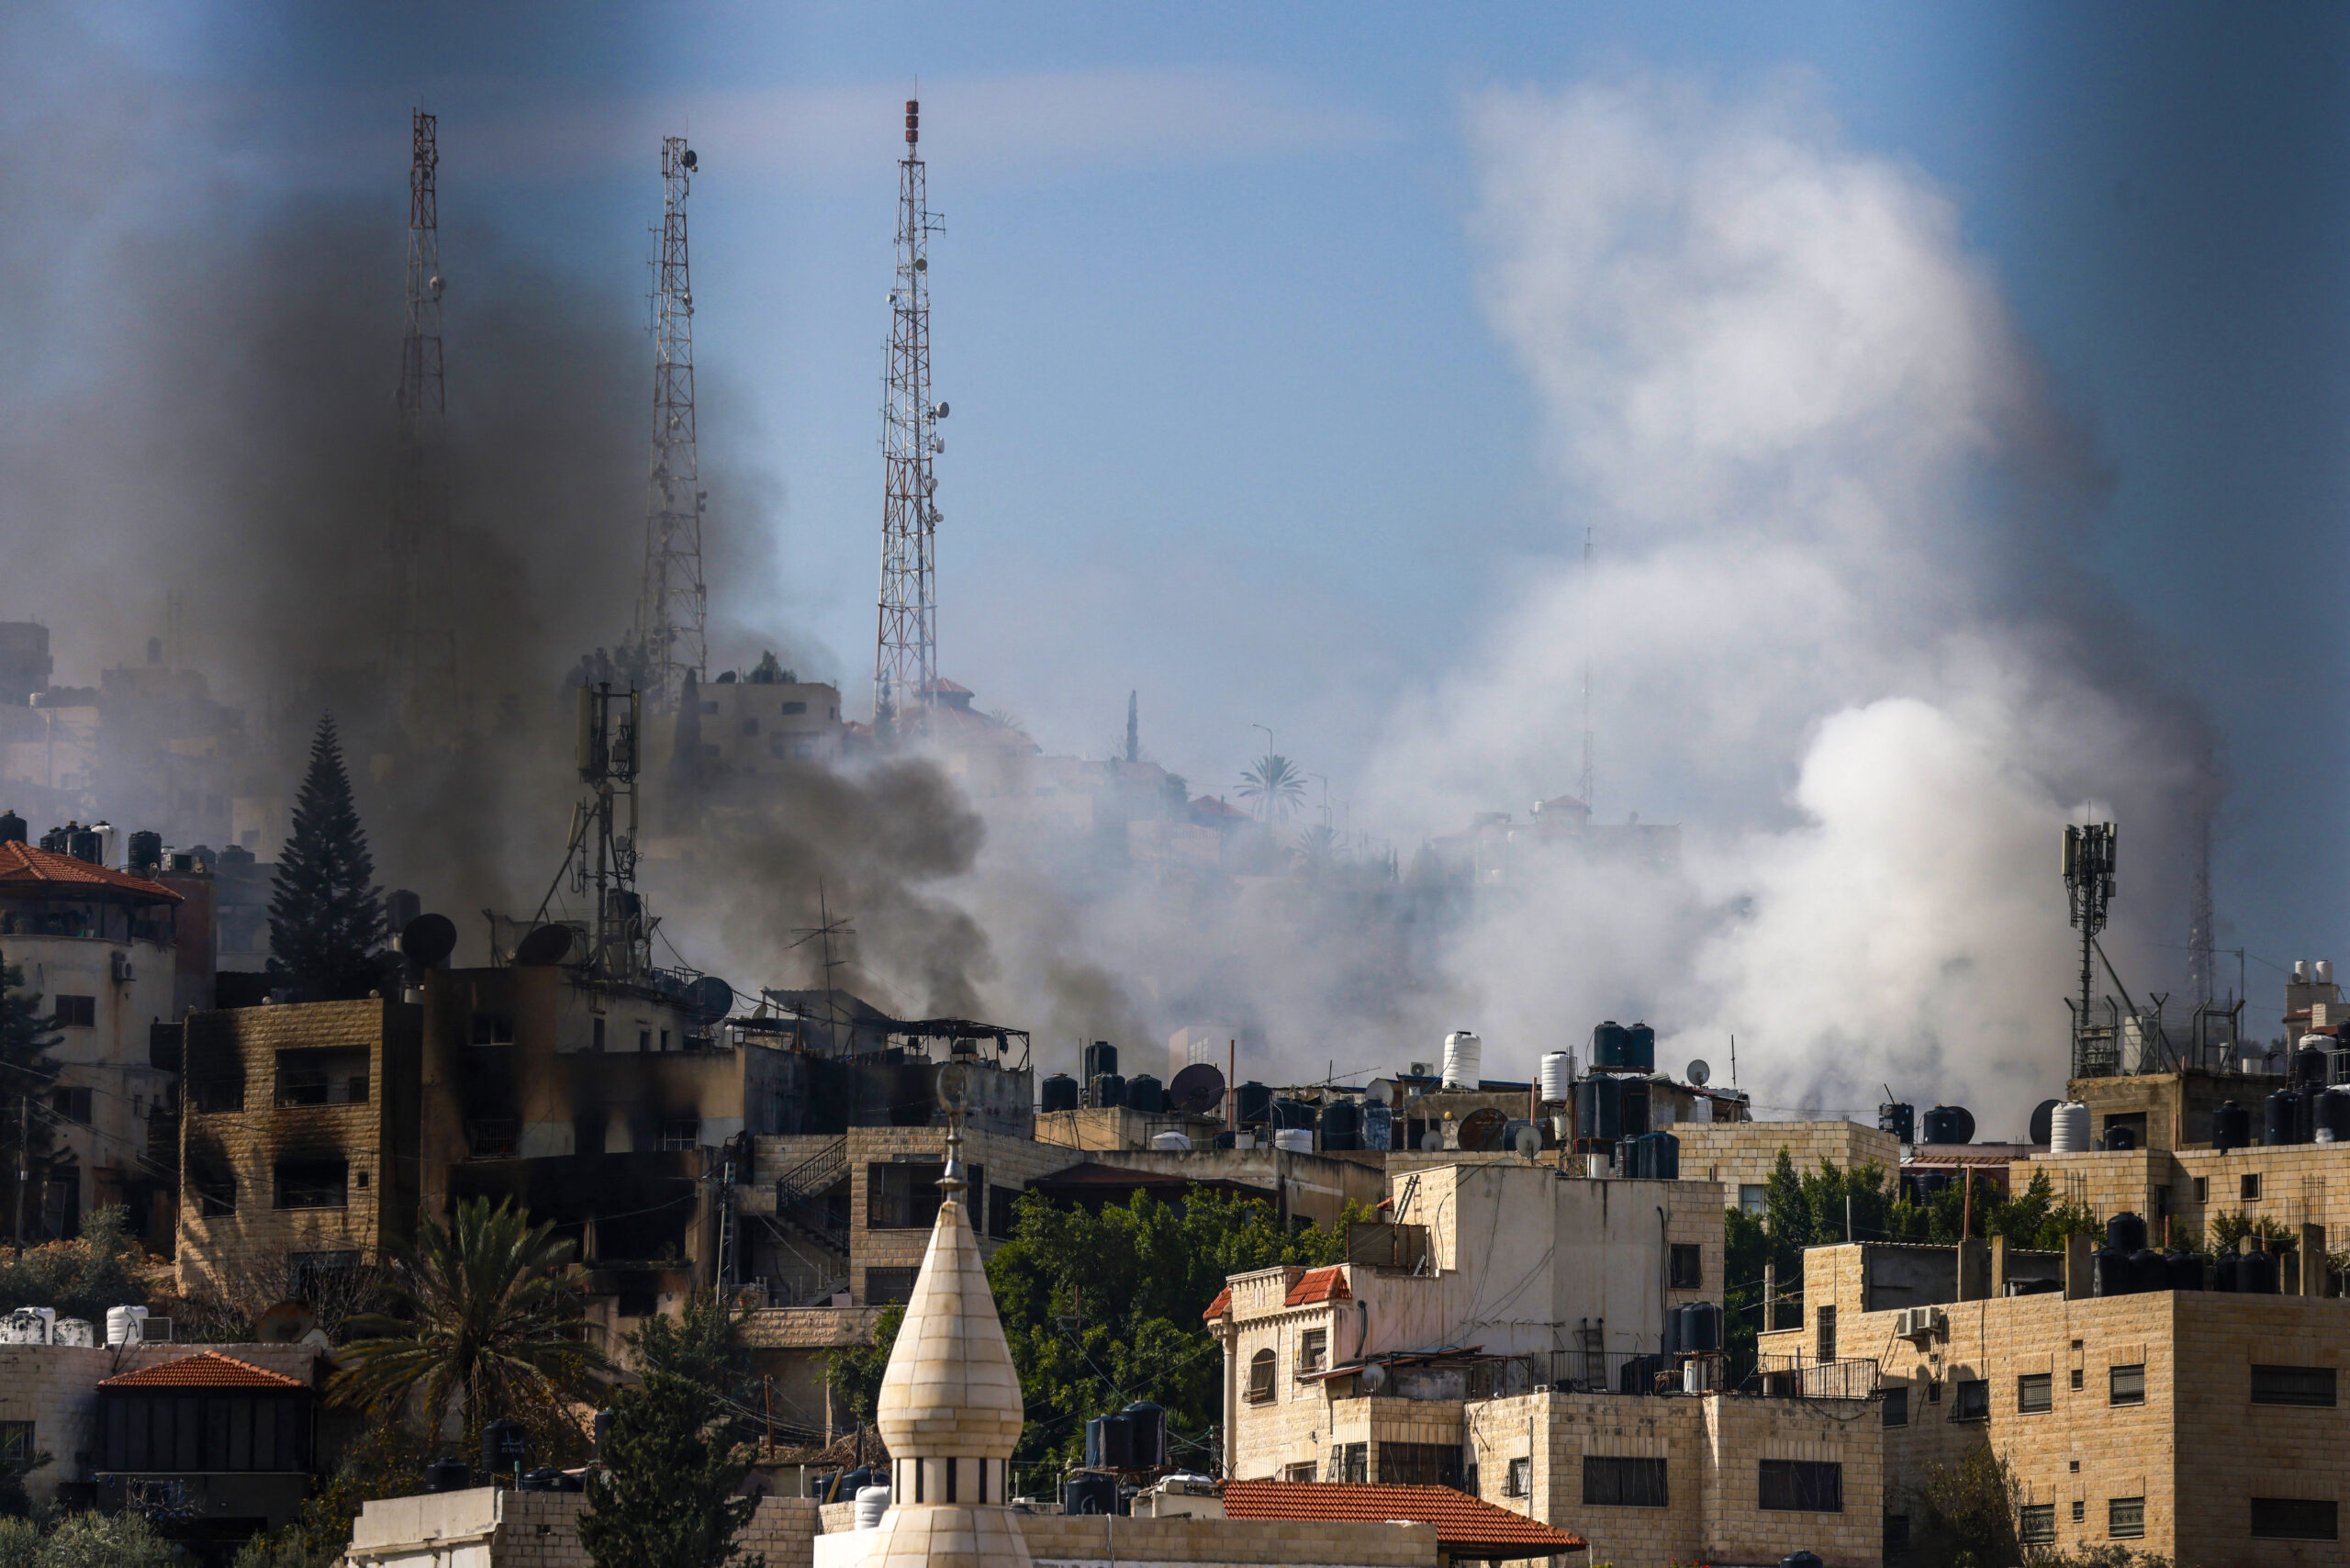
(421, 667)
(672, 607)
(905, 661)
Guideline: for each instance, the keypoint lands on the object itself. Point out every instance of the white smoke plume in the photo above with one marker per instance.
(1833, 622)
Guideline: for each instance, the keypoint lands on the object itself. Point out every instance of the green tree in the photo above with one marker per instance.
(484, 1314)
(667, 1493)
(382, 1463)
(104, 1541)
(326, 915)
(1962, 1514)
(19, 1543)
(1103, 1308)
(27, 1035)
(1276, 785)
(81, 1278)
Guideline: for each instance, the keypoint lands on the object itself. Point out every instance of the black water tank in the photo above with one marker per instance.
(1099, 1057)
(2149, 1272)
(2334, 1114)
(146, 849)
(1227, 1140)
(448, 1475)
(2309, 1069)
(1146, 1095)
(2121, 1139)
(1110, 1443)
(1108, 1089)
(1636, 1107)
(2125, 1233)
(86, 845)
(1090, 1495)
(1149, 1422)
(13, 828)
(1341, 1124)
(1599, 1109)
(1059, 1092)
(1655, 1156)
(1638, 1374)
(1610, 1044)
(1801, 1559)
(1701, 1326)
(505, 1448)
(2230, 1126)
(2257, 1273)
(544, 1479)
(2282, 1118)
(603, 1426)
(1898, 1117)
(2225, 1276)
(1950, 1123)
(2110, 1273)
(1292, 1114)
(1640, 1049)
(2182, 1272)
(1256, 1104)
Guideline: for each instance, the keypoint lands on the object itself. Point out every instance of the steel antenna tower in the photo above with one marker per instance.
(905, 659)
(1584, 784)
(422, 657)
(671, 610)
(2088, 881)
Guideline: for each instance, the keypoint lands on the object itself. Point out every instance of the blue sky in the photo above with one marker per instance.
(1229, 425)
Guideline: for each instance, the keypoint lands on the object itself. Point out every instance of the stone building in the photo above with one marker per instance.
(1742, 1155)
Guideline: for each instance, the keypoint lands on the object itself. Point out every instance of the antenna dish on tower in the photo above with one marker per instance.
(689, 160)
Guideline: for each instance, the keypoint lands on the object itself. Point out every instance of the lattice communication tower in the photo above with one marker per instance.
(905, 661)
(2088, 881)
(672, 607)
(422, 657)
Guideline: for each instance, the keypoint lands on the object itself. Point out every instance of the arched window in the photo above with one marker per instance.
(1261, 1377)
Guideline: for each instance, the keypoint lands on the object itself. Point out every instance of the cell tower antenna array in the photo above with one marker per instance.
(672, 609)
(2088, 878)
(905, 659)
(421, 662)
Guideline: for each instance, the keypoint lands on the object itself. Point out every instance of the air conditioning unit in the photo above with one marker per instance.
(1920, 1323)
(122, 973)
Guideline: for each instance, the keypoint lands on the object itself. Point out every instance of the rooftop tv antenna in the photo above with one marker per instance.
(2088, 878)
(672, 607)
(601, 856)
(823, 931)
(421, 663)
(905, 658)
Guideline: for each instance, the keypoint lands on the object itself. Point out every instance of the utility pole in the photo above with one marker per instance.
(421, 663)
(905, 658)
(672, 609)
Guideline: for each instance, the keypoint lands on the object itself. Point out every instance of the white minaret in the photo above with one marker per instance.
(950, 1408)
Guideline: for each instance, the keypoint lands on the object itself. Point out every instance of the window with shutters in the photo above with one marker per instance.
(2125, 1517)
(1420, 1465)
(1896, 1406)
(2036, 1524)
(1519, 1481)
(1973, 1400)
(1351, 1463)
(2127, 1384)
(2295, 1519)
(2312, 1386)
(1613, 1483)
(2248, 1189)
(17, 1444)
(1303, 1472)
(1827, 1324)
(1261, 1377)
(888, 1287)
(1311, 1344)
(1800, 1486)
(77, 1012)
(2035, 1394)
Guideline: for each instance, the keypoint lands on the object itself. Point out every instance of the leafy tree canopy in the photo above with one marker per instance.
(666, 1495)
(81, 1278)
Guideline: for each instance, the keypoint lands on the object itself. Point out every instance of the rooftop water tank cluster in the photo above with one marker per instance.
(2126, 1265)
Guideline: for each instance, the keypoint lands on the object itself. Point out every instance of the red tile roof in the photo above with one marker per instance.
(1465, 1526)
(1318, 1285)
(1220, 1305)
(26, 867)
(206, 1368)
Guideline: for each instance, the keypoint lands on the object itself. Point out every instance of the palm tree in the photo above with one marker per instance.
(1275, 784)
(484, 1313)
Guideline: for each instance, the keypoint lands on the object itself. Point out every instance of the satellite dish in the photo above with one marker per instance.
(284, 1324)
(690, 161)
(954, 1086)
(1699, 1072)
(1379, 1091)
(1373, 1378)
(1482, 1130)
(1529, 1141)
(1197, 1090)
(427, 940)
(545, 945)
(713, 998)
(1431, 1140)
(2044, 1120)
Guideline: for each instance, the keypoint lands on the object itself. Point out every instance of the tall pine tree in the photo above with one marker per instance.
(326, 915)
(25, 1069)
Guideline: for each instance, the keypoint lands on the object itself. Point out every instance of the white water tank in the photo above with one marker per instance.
(126, 1326)
(2325, 972)
(872, 1502)
(2068, 1128)
(76, 1331)
(1173, 1142)
(1294, 1141)
(1463, 1056)
(28, 1326)
(1556, 1076)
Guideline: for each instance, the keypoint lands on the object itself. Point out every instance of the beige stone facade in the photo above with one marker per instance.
(1742, 1155)
(2289, 1184)
(488, 1528)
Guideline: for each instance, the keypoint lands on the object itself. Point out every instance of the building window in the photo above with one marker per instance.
(2036, 1524)
(2129, 1384)
(17, 1444)
(889, 1287)
(2202, 1189)
(2125, 1517)
(1896, 1406)
(1002, 1216)
(2312, 1386)
(312, 1183)
(70, 1104)
(1801, 1487)
(682, 1134)
(793, 709)
(1688, 1269)
(1753, 1197)
(1311, 1345)
(1298, 1472)
(2249, 1188)
(903, 1195)
(1974, 1400)
(77, 1012)
(321, 1078)
(636, 1303)
(2080, 1511)
(2273, 1519)
(644, 1040)
(1420, 1465)
(1933, 1392)
(493, 1029)
(1519, 1480)
(1609, 1482)
(2035, 1394)
(1827, 1322)
(1261, 1377)
(750, 726)
(2077, 1379)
